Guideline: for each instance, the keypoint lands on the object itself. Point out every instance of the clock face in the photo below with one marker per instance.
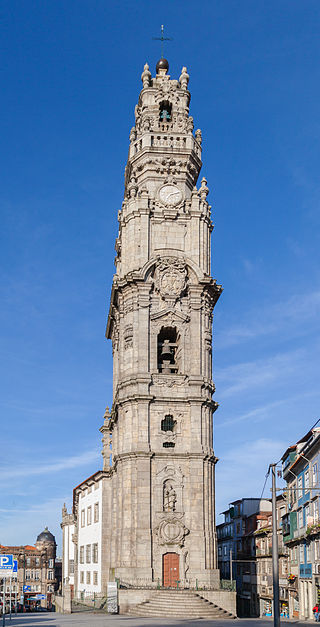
(170, 194)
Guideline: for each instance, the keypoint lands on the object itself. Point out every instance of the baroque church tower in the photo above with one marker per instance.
(160, 511)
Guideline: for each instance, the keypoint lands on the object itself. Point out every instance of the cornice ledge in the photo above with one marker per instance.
(133, 398)
(132, 455)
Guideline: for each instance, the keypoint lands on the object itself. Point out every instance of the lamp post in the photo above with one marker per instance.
(275, 554)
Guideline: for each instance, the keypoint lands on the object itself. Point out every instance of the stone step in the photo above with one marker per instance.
(205, 608)
(182, 602)
(198, 605)
(178, 604)
(179, 614)
(185, 606)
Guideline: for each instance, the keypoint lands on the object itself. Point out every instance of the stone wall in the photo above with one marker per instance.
(226, 599)
(129, 598)
(63, 604)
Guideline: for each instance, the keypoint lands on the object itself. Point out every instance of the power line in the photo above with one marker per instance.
(265, 481)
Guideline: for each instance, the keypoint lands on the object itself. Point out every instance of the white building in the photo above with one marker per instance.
(82, 539)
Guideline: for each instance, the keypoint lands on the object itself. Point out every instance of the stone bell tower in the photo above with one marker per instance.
(161, 514)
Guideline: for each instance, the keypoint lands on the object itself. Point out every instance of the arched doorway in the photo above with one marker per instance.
(170, 569)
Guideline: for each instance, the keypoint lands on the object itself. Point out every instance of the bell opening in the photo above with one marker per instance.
(167, 350)
(165, 109)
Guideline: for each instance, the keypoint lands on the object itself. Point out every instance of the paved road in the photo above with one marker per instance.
(88, 619)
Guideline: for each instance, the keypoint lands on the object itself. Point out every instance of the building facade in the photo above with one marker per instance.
(248, 535)
(237, 550)
(36, 571)
(82, 535)
(263, 554)
(301, 525)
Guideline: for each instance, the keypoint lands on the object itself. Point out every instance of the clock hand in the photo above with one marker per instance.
(172, 194)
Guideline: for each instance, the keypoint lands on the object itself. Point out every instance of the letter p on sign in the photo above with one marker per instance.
(6, 561)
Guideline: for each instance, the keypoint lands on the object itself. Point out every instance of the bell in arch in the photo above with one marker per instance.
(166, 350)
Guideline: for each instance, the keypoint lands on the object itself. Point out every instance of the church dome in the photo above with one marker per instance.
(46, 536)
(162, 64)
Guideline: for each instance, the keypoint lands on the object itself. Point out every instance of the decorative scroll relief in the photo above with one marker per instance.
(170, 277)
(170, 382)
(169, 316)
(128, 336)
(115, 333)
(171, 531)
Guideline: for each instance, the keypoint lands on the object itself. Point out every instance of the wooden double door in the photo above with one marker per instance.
(170, 570)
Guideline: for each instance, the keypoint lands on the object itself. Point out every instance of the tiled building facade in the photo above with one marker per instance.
(263, 555)
(236, 546)
(247, 532)
(301, 525)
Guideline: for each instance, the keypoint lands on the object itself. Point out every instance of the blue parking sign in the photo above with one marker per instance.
(6, 562)
(15, 566)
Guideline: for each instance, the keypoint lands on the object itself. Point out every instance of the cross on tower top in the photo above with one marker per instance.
(162, 39)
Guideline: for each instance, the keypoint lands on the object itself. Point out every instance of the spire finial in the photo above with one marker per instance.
(162, 39)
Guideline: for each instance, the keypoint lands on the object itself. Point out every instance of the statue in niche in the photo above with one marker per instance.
(169, 498)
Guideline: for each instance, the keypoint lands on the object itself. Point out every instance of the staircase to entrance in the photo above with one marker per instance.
(178, 604)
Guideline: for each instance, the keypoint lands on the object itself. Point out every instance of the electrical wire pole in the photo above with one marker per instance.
(4, 602)
(275, 554)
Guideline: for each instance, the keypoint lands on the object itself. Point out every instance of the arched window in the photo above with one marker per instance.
(167, 350)
(169, 497)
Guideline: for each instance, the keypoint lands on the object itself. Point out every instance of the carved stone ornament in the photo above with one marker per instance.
(171, 382)
(172, 531)
(198, 136)
(146, 76)
(115, 334)
(128, 336)
(184, 78)
(170, 277)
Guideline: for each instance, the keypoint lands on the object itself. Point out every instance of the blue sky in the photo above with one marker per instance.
(71, 78)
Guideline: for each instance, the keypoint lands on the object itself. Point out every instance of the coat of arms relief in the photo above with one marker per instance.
(170, 278)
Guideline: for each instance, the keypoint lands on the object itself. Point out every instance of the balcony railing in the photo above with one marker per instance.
(226, 584)
(282, 550)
